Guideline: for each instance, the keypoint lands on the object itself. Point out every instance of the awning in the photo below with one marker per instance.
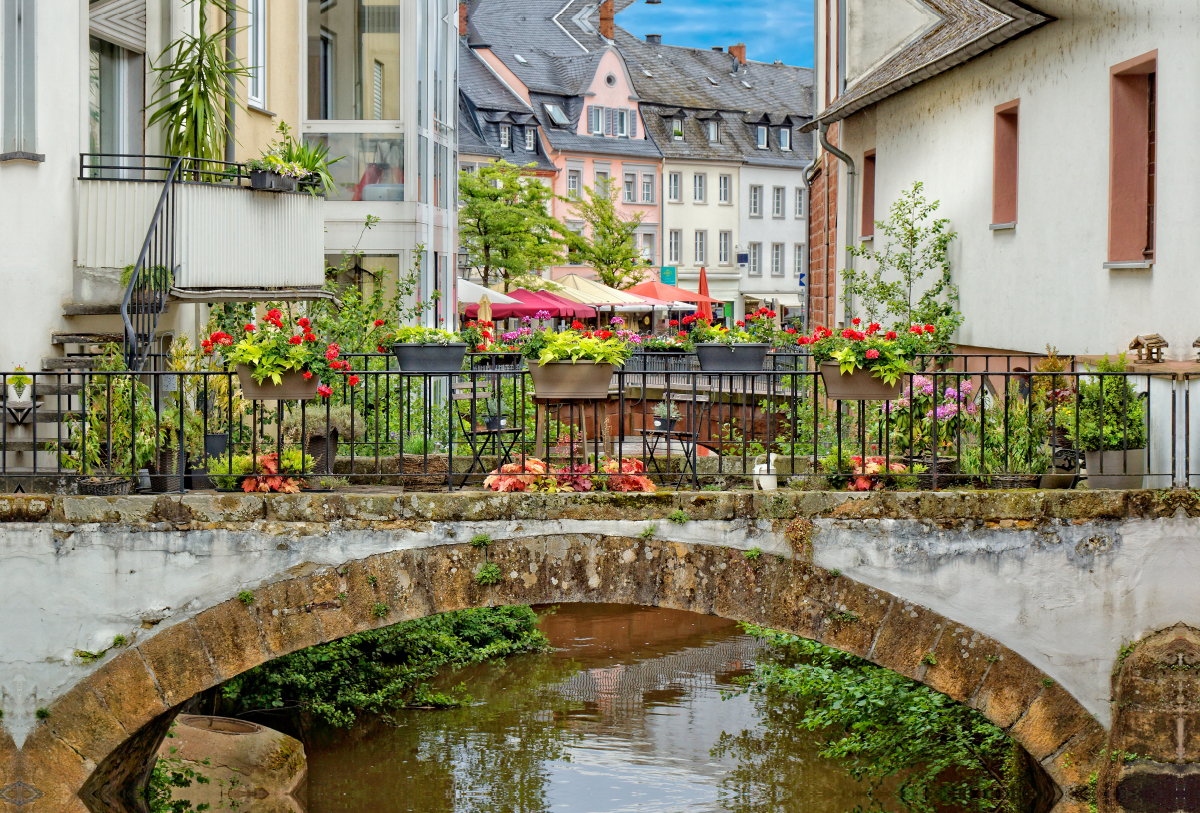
(591, 292)
(669, 293)
(469, 292)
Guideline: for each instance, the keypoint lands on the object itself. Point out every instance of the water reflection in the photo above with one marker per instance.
(626, 715)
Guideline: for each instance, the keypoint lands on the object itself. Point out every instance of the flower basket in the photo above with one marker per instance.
(104, 486)
(716, 357)
(424, 472)
(293, 387)
(1011, 481)
(430, 358)
(860, 385)
(564, 380)
(317, 446)
(945, 466)
(170, 470)
(1122, 470)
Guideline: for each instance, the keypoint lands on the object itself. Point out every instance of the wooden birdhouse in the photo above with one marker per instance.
(1149, 348)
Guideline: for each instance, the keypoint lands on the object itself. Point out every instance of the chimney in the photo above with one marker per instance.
(739, 51)
(654, 39)
(608, 28)
(462, 19)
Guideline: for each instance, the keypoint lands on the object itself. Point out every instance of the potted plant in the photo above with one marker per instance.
(571, 364)
(668, 343)
(742, 349)
(1107, 423)
(322, 430)
(666, 415)
(270, 172)
(153, 284)
(865, 365)
(311, 156)
(429, 350)
(18, 382)
(1007, 444)
(493, 413)
(932, 416)
(284, 362)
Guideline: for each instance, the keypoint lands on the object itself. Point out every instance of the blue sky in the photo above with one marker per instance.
(771, 29)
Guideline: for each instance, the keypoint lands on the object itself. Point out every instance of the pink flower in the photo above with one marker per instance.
(872, 353)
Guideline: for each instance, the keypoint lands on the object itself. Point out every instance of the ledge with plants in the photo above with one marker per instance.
(281, 360)
(574, 364)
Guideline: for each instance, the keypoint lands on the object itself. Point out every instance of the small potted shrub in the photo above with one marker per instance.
(865, 365)
(666, 415)
(429, 350)
(1109, 427)
(493, 414)
(272, 172)
(277, 361)
(571, 364)
(742, 349)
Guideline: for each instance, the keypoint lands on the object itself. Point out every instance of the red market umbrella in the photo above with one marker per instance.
(570, 309)
(669, 293)
(705, 308)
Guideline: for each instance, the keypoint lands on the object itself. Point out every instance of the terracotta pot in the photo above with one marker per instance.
(562, 379)
(731, 358)
(293, 387)
(1121, 470)
(429, 358)
(860, 385)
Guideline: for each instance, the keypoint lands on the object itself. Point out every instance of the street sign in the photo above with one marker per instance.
(802, 282)
(666, 275)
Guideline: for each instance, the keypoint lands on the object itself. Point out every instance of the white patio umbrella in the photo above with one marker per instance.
(470, 293)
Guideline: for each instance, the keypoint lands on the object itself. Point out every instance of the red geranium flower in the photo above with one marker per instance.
(856, 321)
(891, 335)
(682, 334)
(740, 323)
(674, 323)
(378, 323)
(577, 325)
(249, 328)
(307, 375)
(930, 328)
(295, 340)
(872, 353)
(352, 380)
(324, 391)
(303, 322)
(309, 337)
(916, 329)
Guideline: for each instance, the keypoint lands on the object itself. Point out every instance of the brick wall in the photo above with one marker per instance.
(823, 240)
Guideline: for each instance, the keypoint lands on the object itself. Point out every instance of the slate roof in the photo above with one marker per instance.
(482, 86)
(568, 140)
(967, 29)
(738, 138)
(486, 103)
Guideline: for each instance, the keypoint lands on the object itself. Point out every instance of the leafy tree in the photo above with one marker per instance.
(610, 244)
(505, 225)
(915, 245)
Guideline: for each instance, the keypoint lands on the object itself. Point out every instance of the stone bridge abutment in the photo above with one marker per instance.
(1015, 603)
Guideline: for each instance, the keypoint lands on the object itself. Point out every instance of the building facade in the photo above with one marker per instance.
(1038, 128)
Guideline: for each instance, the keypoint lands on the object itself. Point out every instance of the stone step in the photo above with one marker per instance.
(87, 338)
(91, 309)
(55, 387)
(68, 363)
(42, 445)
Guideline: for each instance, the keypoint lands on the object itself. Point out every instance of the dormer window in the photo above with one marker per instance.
(556, 114)
(505, 136)
(714, 131)
(530, 139)
(762, 136)
(623, 123)
(785, 139)
(677, 129)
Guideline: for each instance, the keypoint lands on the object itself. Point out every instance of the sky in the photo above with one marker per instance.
(771, 29)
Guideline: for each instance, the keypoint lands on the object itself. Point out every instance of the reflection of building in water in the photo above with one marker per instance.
(618, 690)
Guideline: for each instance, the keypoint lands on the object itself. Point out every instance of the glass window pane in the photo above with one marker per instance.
(373, 166)
(354, 48)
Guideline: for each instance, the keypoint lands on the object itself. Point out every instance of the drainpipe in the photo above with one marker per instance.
(806, 182)
(231, 84)
(851, 200)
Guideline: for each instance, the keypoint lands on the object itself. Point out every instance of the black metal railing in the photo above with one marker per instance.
(990, 423)
(112, 166)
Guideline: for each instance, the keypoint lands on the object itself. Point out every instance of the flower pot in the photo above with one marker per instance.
(496, 423)
(216, 444)
(945, 466)
(285, 183)
(169, 474)
(860, 385)
(731, 358)
(430, 358)
(318, 446)
(665, 424)
(562, 379)
(1121, 470)
(104, 486)
(261, 179)
(765, 477)
(293, 387)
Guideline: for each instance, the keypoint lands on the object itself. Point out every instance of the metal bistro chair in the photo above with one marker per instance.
(481, 431)
(696, 408)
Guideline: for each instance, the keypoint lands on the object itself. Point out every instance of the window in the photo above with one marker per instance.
(674, 181)
(868, 195)
(677, 129)
(530, 139)
(596, 120)
(574, 183)
(1132, 171)
(573, 257)
(630, 187)
(755, 260)
(556, 114)
(777, 259)
(799, 269)
(377, 96)
(714, 131)
(648, 247)
(18, 89)
(623, 123)
(256, 59)
(724, 244)
(724, 186)
(676, 246)
(1004, 164)
(324, 101)
(785, 139)
(756, 201)
(647, 189)
(700, 188)
(602, 181)
(762, 136)
(777, 202)
(505, 136)
(701, 247)
(357, 55)
(114, 86)
(799, 201)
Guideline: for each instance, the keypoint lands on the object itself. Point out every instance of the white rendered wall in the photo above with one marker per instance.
(689, 216)
(768, 229)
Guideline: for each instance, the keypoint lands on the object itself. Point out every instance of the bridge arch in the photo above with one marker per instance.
(100, 730)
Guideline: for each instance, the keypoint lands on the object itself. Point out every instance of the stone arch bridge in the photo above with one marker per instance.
(1024, 605)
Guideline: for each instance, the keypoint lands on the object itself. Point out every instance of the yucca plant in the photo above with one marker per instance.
(196, 85)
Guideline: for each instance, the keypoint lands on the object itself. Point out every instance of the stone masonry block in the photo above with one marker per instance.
(1052, 719)
(179, 663)
(908, 634)
(128, 690)
(231, 635)
(1010, 685)
(81, 720)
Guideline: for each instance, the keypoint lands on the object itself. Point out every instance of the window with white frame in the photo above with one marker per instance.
(630, 187)
(377, 95)
(603, 179)
(647, 188)
(777, 259)
(700, 188)
(756, 201)
(724, 187)
(573, 257)
(596, 120)
(762, 137)
(675, 247)
(799, 201)
(701, 247)
(755, 263)
(677, 129)
(530, 139)
(256, 58)
(777, 202)
(648, 247)
(799, 268)
(505, 136)
(724, 246)
(714, 131)
(785, 139)
(574, 183)
(674, 181)
(18, 89)
(623, 123)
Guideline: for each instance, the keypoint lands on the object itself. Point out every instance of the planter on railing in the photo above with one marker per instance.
(430, 358)
(860, 385)
(731, 358)
(562, 379)
(292, 387)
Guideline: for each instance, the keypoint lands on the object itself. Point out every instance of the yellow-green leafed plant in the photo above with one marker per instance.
(574, 346)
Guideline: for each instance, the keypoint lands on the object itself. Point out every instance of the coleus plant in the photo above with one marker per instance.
(886, 354)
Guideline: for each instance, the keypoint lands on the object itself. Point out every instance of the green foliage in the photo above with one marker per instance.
(929, 658)
(115, 404)
(609, 244)
(648, 532)
(169, 773)
(569, 345)
(753, 553)
(42, 713)
(246, 597)
(504, 224)
(679, 517)
(380, 610)
(936, 753)
(426, 335)
(480, 541)
(488, 574)
(156, 277)
(89, 657)
(120, 641)
(378, 671)
(312, 156)
(1110, 420)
